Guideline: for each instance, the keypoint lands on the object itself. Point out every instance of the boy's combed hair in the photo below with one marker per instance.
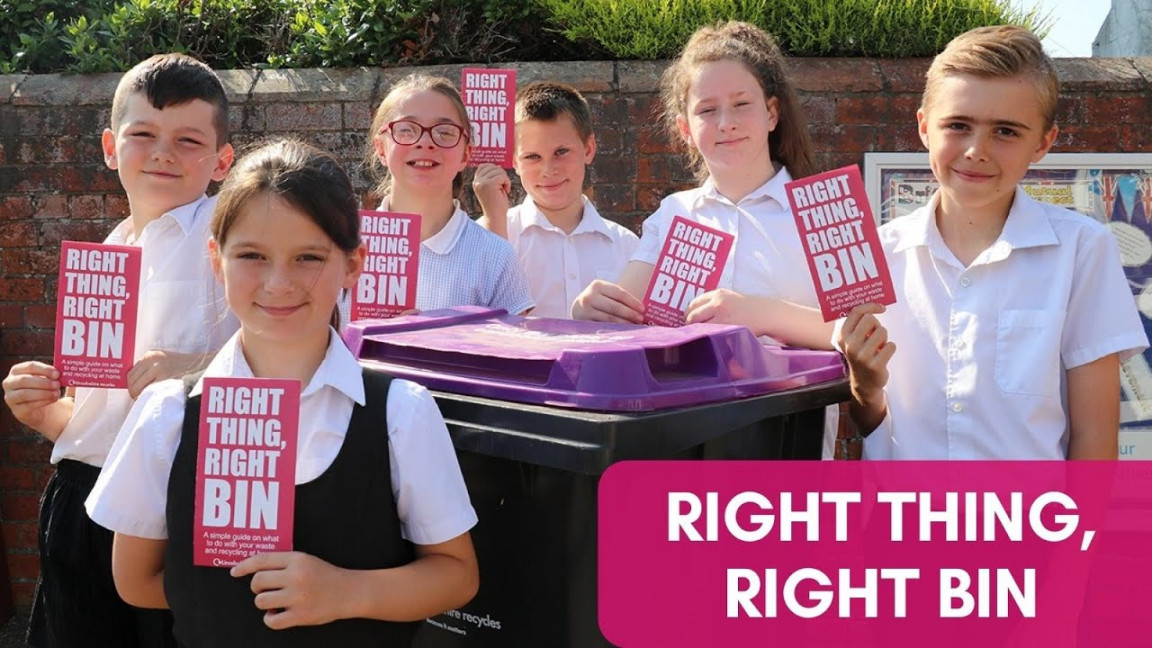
(997, 52)
(789, 143)
(547, 101)
(310, 180)
(385, 112)
(173, 80)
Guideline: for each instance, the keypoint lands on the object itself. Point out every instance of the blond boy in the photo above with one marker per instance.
(1013, 315)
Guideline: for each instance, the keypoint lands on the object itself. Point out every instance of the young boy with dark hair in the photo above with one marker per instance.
(1013, 315)
(562, 241)
(168, 140)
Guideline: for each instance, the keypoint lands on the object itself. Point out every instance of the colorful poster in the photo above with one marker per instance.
(245, 469)
(96, 303)
(490, 97)
(387, 286)
(840, 241)
(690, 264)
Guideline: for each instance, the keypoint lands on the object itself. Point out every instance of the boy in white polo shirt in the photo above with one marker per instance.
(1012, 315)
(168, 140)
(562, 242)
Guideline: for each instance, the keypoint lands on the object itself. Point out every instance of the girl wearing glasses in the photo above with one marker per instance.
(419, 147)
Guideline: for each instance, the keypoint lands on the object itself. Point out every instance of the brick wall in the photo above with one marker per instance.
(53, 183)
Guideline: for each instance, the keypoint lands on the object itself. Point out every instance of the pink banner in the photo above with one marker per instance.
(490, 97)
(387, 286)
(840, 241)
(96, 303)
(245, 469)
(876, 553)
(689, 265)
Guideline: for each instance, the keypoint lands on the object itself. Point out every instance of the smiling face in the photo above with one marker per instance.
(982, 134)
(727, 119)
(282, 274)
(550, 158)
(423, 167)
(165, 157)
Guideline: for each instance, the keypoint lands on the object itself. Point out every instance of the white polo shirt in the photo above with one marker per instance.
(560, 266)
(982, 352)
(767, 258)
(432, 502)
(182, 309)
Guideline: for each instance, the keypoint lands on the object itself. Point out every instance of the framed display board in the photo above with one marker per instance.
(1113, 188)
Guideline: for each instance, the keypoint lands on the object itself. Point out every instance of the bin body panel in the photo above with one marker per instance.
(531, 455)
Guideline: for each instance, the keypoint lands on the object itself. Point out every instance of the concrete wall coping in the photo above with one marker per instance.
(367, 84)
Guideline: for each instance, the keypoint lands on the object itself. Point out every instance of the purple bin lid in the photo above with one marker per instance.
(583, 365)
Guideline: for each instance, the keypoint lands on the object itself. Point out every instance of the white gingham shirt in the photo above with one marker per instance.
(465, 265)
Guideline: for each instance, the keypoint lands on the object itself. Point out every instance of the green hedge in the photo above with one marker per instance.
(112, 35)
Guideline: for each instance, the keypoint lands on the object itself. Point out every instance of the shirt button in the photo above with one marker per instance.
(965, 282)
(959, 344)
(572, 276)
(957, 407)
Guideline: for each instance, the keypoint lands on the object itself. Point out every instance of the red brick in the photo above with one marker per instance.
(652, 140)
(88, 206)
(15, 208)
(11, 317)
(24, 261)
(613, 169)
(643, 109)
(21, 289)
(29, 343)
(1070, 110)
(292, 117)
(904, 75)
(87, 178)
(51, 207)
(610, 141)
(54, 232)
(40, 316)
(22, 593)
(819, 110)
(1087, 139)
(1136, 138)
(848, 138)
(20, 536)
(23, 565)
(877, 109)
(29, 449)
(613, 197)
(116, 206)
(17, 234)
(904, 138)
(1113, 109)
(16, 479)
(608, 109)
(835, 74)
(20, 506)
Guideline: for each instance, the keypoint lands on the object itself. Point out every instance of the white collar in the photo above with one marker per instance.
(443, 241)
(773, 189)
(184, 215)
(590, 222)
(338, 370)
(1026, 226)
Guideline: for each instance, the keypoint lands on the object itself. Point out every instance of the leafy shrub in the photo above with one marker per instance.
(113, 35)
(886, 28)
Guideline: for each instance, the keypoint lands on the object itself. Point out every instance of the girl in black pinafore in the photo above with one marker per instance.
(382, 516)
